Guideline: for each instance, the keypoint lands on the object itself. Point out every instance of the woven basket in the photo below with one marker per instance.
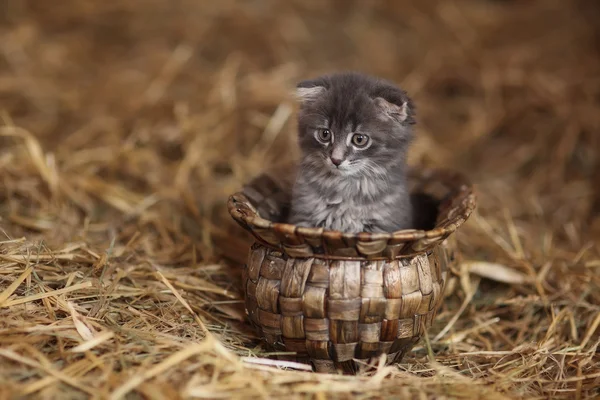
(334, 299)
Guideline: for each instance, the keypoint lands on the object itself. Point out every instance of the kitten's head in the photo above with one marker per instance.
(352, 124)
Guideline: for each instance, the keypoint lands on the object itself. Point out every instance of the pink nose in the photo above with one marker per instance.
(336, 161)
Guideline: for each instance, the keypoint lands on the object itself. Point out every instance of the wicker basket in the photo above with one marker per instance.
(333, 299)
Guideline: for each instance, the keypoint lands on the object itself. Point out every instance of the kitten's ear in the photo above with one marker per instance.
(308, 91)
(398, 113)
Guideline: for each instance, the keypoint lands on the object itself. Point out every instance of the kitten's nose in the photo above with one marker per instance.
(336, 161)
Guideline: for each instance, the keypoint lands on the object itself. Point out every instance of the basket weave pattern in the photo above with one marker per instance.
(334, 311)
(333, 298)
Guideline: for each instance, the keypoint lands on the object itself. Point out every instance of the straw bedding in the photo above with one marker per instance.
(125, 125)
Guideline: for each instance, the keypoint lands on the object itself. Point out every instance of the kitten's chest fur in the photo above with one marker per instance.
(351, 204)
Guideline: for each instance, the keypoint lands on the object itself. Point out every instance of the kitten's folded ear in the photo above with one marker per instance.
(398, 113)
(310, 90)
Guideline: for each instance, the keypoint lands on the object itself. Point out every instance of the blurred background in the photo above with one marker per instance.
(164, 95)
(125, 125)
(170, 107)
(167, 95)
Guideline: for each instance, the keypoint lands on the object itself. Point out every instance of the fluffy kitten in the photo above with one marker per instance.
(354, 132)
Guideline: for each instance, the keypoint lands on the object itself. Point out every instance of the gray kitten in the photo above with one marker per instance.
(354, 131)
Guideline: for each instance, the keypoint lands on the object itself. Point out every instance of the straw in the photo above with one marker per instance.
(124, 127)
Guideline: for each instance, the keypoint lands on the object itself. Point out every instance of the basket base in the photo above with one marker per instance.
(349, 367)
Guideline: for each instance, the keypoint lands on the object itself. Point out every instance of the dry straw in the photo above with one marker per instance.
(125, 127)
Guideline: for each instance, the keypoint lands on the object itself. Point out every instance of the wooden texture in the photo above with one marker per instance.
(333, 298)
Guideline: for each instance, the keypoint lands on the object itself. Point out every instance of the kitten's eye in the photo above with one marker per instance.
(360, 140)
(324, 135)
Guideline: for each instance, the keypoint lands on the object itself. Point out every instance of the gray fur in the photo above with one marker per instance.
(368, 191)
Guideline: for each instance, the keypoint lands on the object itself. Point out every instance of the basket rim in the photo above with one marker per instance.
(244, 213)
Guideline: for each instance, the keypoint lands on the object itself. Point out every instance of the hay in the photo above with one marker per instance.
(125, 125)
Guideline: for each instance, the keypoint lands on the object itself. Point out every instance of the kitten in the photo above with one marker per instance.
(354, 131)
